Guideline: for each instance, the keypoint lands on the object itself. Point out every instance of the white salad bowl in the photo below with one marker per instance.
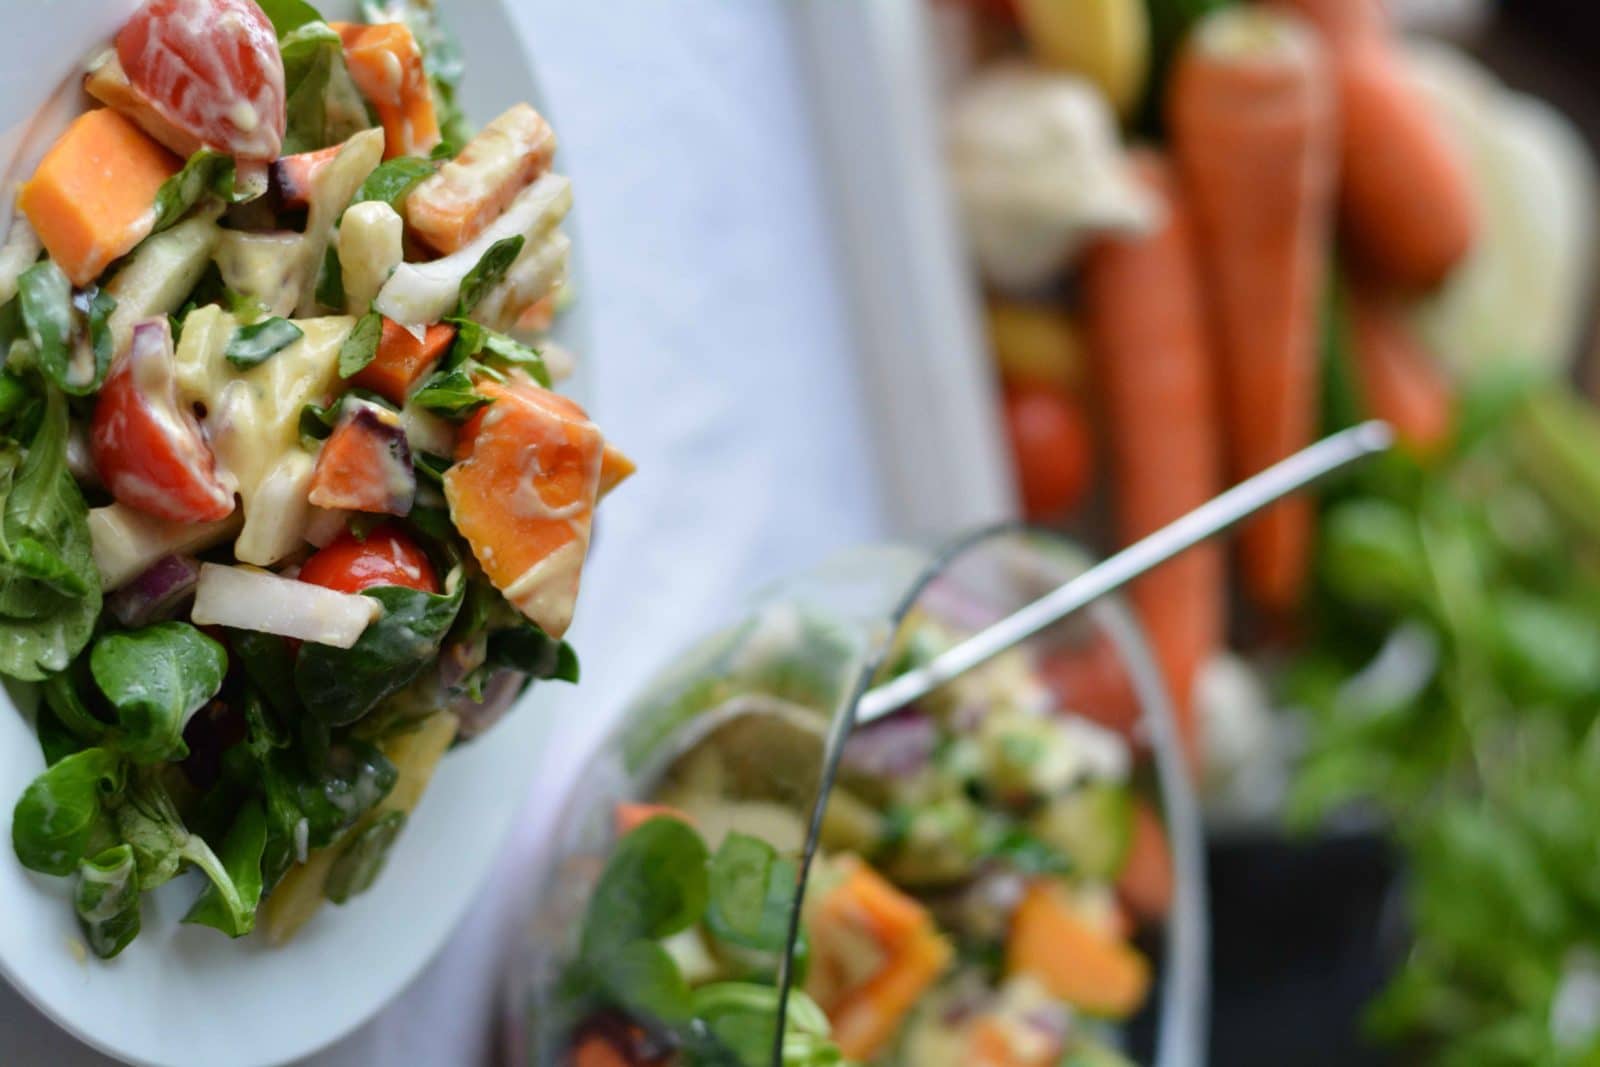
(185, 996)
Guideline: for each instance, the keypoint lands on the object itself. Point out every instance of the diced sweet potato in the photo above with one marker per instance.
(93, 197)
(293, 177)
(909, 956)
(365, 464)
(522, 492)
(1072, 956)
(386, 65)
(458, 203)
(629, 817)
(403, 360)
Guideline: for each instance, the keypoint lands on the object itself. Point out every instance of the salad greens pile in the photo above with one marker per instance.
(1453, 685)
(661, 881)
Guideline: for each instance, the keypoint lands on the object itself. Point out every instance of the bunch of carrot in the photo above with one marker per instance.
(1290, 122)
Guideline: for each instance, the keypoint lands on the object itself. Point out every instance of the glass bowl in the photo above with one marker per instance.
(745, 876)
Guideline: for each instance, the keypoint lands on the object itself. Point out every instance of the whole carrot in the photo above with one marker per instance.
(1155, 376)
(1400, 380)
(1253, 124)
(1405, 193)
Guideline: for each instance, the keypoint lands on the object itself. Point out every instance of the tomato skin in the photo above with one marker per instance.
(386, 557)
(213, 69)
(147, 448)
(1052, 448)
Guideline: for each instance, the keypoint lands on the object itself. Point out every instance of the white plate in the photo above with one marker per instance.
(184, 996)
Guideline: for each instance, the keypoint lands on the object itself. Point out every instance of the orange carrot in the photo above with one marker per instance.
(1146, 882)
(386, 65)
(867, 1010)
(1154, 370)
(1253, 122)
(1405, 193)
(1400, 380)
(403, 360)
(1075, 959)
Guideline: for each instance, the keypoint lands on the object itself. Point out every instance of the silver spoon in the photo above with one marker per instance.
(1304, 468)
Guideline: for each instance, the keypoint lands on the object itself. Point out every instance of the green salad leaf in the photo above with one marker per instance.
(258, 342)
(526, 648)
(156, 679)
(206, 173)
(339, 686)
(74, 356)
(61, 817)
(494, 349)
(49, 589)
(107, 900)
(323, 105)
(354, 779)
(752, 894)
(489, 269)
(654, 885)
(451, 394)
(230, 904)
(393, 180)
(362, 859)
(289, 15)
(360, 348)
(330, 280)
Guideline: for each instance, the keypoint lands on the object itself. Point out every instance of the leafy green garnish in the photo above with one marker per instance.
(289, 15)
(654, 885)
(230, 905)
(361, 347)
(156, 678)
(752, 894)
(46, 618)
(74, 358)
(490, 268)
(476, 341)
(61, 817)
(339, 686)
(206, 173)
(324, 107)
(451, 394)
(527, 648)
(253, 345)
(361, 861)
(393, 180)
(107, 900)
(330, 281)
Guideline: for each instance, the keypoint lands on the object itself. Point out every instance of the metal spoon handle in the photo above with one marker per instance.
(1217, 515)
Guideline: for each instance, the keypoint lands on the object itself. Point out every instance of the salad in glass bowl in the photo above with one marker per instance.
(981, 878)
(290, 504)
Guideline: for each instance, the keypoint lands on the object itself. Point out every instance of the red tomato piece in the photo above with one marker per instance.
(386, 556)
(146, 445)
(1052, 448)
(212, 69)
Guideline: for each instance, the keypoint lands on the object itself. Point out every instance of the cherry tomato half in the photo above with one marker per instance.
(386, 556)
(212, 69)
(1052, 448)
(146, 445)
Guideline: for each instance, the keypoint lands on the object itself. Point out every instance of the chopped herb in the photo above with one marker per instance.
(206, 172)
(330, 281)
(393, 180)
(451, 394)
(361, 347)
(489, 270)
(253, 345)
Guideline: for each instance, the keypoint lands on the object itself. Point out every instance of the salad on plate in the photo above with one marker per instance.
(290, 504)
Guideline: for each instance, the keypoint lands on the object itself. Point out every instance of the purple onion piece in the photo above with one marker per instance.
(499, 693)
(155, 594)
(896, 747)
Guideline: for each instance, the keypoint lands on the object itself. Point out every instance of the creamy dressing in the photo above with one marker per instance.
(253, 422)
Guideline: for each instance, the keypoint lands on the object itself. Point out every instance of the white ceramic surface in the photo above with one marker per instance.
(186, 996)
